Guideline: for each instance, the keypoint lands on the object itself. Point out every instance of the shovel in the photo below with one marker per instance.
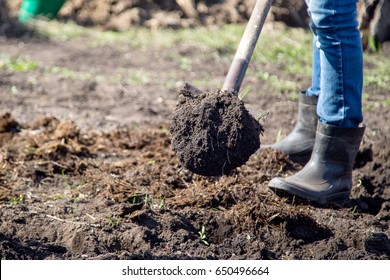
(244, 51)
(214, 134)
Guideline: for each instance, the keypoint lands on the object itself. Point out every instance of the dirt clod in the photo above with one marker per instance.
(8, 124)
(213, 133)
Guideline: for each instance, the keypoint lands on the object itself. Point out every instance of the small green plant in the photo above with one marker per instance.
(278, 84)
(139, 198)
(58, 196)
(71, 74)
(30, 150)
(185, 64)
(261, 116)
(134, 200)
(378, 73)
(354, 210)
(374, 44)
(17, 63)
(82, 182)
(203, 237)
(146, 199)
(138, 78)
(150, 201)
(58, 31)
(293, 96)
(243, 93)
(17, 200)
(278, 136)
(114, 221)
(162, 202)
(66, 178)
(74, 212)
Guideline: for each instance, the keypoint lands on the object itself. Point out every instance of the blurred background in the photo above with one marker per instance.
(120, 15)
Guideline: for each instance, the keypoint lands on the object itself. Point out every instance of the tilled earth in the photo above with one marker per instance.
(87, 169)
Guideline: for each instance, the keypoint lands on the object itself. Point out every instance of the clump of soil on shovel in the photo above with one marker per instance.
(213, 133)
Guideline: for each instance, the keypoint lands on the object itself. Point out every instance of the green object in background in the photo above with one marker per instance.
(44, 8)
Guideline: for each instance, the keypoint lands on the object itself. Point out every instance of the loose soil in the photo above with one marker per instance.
(87, 169)
(213, 133)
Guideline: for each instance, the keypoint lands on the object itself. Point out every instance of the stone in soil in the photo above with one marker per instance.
(213, 133)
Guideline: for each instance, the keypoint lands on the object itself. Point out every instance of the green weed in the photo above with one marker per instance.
(278, 136)
(58, 31)
(58, 196)
(17, 200)
(355, 210)
(374, 44)
(173, 84)
(30, 150)
(68, 73)
(277, 83)
(17, 63)
(379, 76)
(114, 221)
(148, 201)
(138, 78)
(294, 95)
(203, 237)
(155, 203)
(262, 115)
(244, 93)
(65, 178)
(162, 202)
(136, 199)
(185, 64)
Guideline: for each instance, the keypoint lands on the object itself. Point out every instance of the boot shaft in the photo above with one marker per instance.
(298, 144)
(337, 144)
(307, 112)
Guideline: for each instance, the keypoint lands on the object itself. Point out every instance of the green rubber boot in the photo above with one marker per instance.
(299, 144)
(327, 177)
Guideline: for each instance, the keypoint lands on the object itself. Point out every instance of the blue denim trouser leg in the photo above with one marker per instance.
(315, 89)
(337, 61)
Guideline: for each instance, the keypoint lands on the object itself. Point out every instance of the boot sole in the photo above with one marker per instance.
(339, 198)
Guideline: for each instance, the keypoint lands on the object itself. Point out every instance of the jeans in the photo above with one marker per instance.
(337, 74)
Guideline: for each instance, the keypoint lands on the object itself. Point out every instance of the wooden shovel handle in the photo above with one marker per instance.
(247, 44)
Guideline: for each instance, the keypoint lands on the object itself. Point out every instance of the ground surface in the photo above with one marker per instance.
(87, 170)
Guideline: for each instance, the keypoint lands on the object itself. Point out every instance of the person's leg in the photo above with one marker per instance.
(327, 177)
(314, 89)
(335, 27)
(299, 143)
